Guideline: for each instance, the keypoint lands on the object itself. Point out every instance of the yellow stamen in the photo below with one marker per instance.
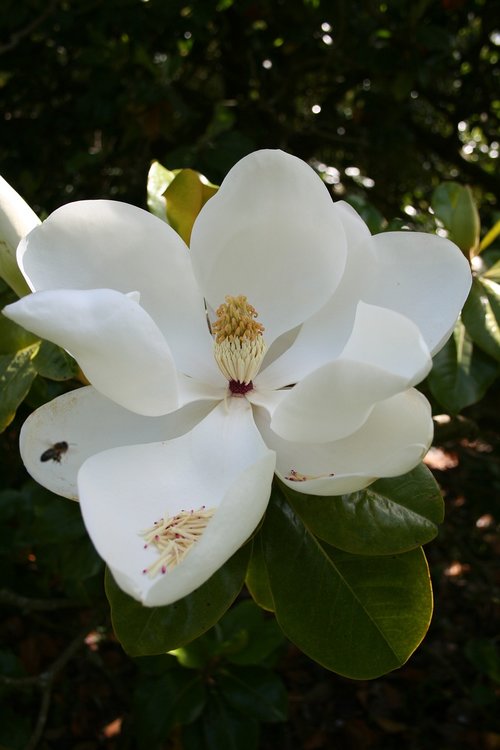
(239, 345)
(173, 537)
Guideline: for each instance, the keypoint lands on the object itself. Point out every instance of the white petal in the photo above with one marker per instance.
(392, 441)
(333, 401)
(322, 337)
(90, 423)
(118, 346)
(385, 355)
(108, 244)
(272, 234)
(388, 340)
(16, 220)
(424, 277)
(222, 464)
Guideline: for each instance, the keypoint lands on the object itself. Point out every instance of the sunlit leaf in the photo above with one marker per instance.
(360, 616)
(481, 316)
(17, 373)
(391, 516)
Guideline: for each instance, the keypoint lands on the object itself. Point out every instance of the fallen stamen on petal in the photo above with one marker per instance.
(239, 346)
(296, 476)
(174, 536)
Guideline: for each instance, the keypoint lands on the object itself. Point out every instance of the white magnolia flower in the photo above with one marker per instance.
(318, 334)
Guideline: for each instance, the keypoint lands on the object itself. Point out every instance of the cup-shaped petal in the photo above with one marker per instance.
(270, 233)
(394, 438)
(108, 244)
(116, 343)
(222, 464)
(88, 423)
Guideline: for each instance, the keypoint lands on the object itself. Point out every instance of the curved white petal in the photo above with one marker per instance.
(90, 423)
(108, 244)
(421, 276)
(322, 337)
(222, 464)
(272, 234)
(393, 440)
(116, 343)
(424, 277)
(333, 401)
(384, 355)
(388, 340)
(16, 220)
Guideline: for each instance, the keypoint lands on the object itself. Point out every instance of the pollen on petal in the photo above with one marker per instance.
(173, 537)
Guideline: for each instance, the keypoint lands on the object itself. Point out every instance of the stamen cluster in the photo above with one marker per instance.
(173, 537)
(239, 345)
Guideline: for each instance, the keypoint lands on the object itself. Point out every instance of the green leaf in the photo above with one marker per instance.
(249, 635)
(391, 516)
(144, 631)
(481, 316)
(257, 578)
(221, 728)
(485, 656)
(461, 373)
(177, 696)
(254, 691)
(16, 376)
(178, 196)
(54, 363)
(493, 273)
(454, 205)
(360, 616)
(185, 197)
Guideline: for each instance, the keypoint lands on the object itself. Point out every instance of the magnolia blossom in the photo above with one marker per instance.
(287, 340)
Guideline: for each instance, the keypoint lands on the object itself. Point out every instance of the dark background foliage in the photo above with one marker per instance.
(386, 100)
(93, 90)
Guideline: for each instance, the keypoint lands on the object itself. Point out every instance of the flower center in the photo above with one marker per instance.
(173, 537)
(239, 346)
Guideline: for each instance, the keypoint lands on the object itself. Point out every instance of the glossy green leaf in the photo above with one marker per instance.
(481, 316)
(159, 178)
(144, 631)
(16, 376)
(454, 205)
(13, 337)
(185, 197)
(391, 516)
(55, 363)
(360, 616)
(461, 373)
(255, 691)
(257, 578)
(493, 273)
(249, 636)
(178, 196)
(221, 728)
(177, 696)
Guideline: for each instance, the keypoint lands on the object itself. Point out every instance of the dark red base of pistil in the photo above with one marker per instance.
(239, 389)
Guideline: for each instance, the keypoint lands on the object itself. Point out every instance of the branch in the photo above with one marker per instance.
(17, 36)
(44, 682)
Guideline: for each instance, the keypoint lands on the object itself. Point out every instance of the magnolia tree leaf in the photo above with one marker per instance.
(257, 578)
(16, 376)
(178, 196)
(481, 316)
(358, 615)
(145, 631)
(254, 691)
(221, 727)
(391, 516)
(493, 272)
(55, 363)
(185, 197)
(249, 636)
(461, 373)
(159, 178)
(454, 205)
